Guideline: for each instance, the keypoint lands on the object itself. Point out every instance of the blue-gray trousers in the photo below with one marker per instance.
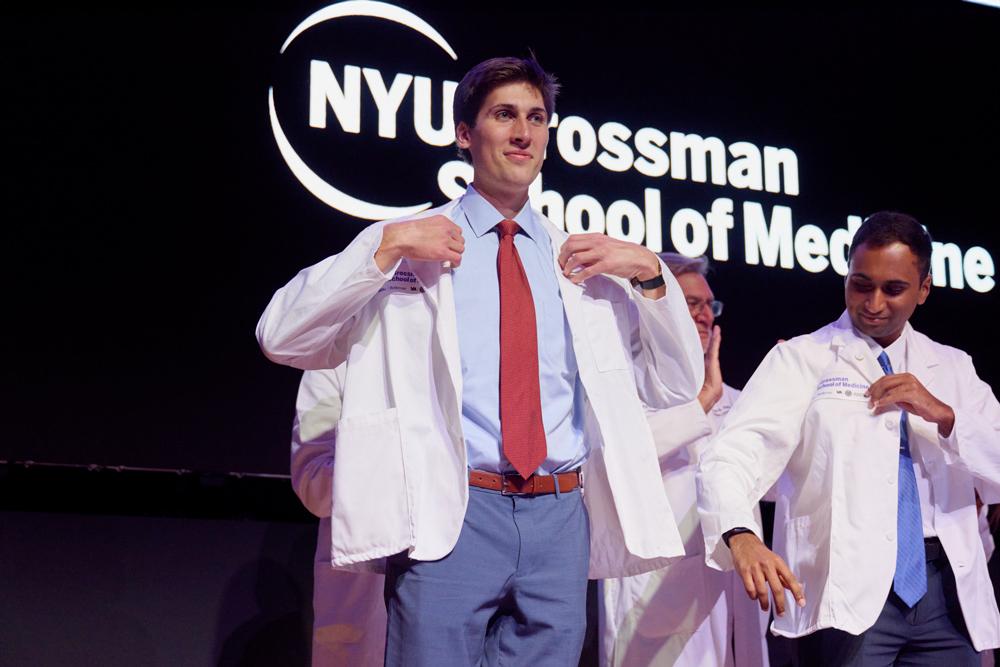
(512, 592)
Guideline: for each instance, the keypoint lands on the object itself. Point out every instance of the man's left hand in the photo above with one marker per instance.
(906, 391)
(586, 255)
(711, 391)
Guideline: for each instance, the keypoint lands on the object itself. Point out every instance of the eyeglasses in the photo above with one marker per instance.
(695, 306)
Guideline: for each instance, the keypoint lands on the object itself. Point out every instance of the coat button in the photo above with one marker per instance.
(859, 357)
(890, 423)
(888, 537)
(890, 479)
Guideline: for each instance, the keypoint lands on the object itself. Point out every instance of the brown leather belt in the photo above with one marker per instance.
(535, 485)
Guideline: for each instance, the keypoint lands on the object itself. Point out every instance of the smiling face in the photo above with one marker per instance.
(508, 141)
(882, 289)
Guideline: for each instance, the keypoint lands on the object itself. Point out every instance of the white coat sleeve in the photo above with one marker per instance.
(308, 322)
(317, 411)
(666, 350)
(745, 459)
(677, 427)
(974, 442)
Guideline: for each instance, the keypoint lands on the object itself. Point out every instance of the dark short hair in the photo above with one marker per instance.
(888, 227)
(490, 74)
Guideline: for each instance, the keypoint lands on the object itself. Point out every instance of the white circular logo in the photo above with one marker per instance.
(322, 189)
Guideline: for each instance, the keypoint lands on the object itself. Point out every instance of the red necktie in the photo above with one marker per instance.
(521, 428)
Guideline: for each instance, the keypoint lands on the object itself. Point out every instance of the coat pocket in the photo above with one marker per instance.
(370, 515)
(807, 553)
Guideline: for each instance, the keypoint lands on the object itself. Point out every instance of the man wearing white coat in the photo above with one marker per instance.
(489, 358)
(687, 614)
(883, 435)
(348, 610)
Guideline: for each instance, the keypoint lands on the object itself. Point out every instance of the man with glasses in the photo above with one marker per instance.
(690, 274)
(686, 613)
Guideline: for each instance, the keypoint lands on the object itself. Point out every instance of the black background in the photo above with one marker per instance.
(148, 216)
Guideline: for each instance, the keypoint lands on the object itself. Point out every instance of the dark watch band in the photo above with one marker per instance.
(652, 283)
(734, 531)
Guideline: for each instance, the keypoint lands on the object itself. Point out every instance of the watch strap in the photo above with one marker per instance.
(652, 283)
(734, 531)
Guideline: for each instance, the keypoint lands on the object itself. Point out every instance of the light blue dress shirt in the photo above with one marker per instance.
(477, 304)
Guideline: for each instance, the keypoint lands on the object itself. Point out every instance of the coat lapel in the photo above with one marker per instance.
(921, 359)
(854, 351)
(436, 280)
(922, 362)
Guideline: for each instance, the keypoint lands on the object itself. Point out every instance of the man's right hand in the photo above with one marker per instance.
(433, 239)
(759, 567)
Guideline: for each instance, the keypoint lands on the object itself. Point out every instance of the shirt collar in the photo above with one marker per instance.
(896, 349)
(483, 216)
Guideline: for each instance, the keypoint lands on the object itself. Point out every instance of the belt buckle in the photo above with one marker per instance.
(503, 486)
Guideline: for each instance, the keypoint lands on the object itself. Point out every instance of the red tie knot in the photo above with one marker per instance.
(508, 228)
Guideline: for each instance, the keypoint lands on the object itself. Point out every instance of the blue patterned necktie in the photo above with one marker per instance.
(910, 580)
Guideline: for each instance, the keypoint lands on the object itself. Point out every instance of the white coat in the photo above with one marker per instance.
(804, 412)
(686, 614)
(401, 479)
(349, 618)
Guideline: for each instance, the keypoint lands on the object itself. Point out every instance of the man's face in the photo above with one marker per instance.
(882, 289)
(508, 141)
(699, 299)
